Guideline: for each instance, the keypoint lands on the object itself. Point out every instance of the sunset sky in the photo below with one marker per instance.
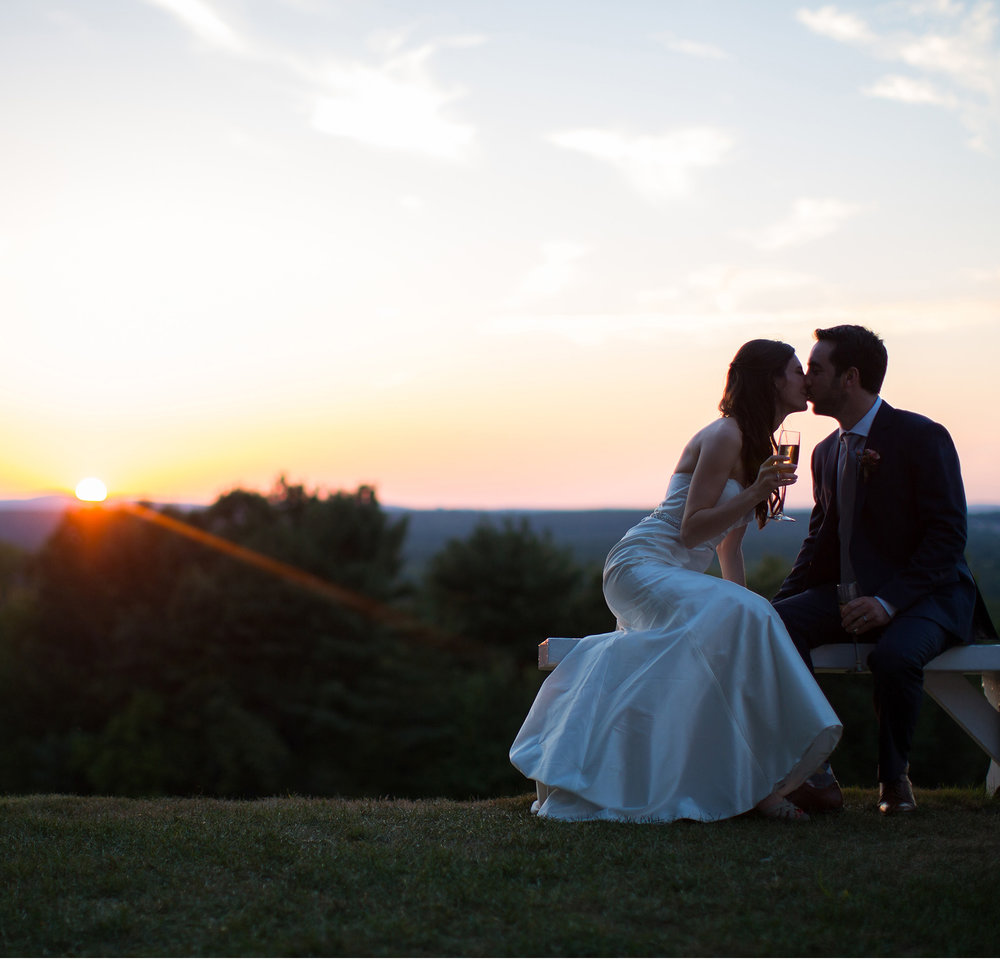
(477, 254)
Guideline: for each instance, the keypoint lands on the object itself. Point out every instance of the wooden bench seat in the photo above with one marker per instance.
(978, 714)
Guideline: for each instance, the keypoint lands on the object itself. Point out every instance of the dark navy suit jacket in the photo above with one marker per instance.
(909, 528)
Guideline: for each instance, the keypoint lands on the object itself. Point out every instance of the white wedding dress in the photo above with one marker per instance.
(697, 707)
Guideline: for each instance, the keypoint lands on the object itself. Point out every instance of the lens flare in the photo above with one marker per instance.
(91, 489)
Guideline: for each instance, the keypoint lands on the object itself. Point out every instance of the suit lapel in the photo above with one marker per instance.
(829, 472)
(879, 429)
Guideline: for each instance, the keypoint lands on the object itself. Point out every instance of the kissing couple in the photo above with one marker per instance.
(702, 704)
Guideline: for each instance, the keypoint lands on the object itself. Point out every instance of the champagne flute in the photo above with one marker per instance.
(788, 450)
(846, 592)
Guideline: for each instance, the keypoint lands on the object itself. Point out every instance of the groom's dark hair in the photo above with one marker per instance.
(855, 346)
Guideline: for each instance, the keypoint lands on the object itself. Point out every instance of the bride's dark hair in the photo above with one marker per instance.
(750, 398)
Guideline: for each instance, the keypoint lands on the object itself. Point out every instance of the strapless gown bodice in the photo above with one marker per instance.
(658, 536)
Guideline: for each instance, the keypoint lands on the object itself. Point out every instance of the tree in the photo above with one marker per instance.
(767, 575)
(507, 587)
(502, 590)
(154, 663)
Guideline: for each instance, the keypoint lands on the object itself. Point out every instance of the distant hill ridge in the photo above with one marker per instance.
(589, 534)
(54, 502)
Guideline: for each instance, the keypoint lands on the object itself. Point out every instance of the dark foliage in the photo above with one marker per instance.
(148, 662)
(509, 588)
(138, 660)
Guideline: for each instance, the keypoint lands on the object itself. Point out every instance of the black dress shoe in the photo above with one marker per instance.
(896, 796)
(826, 799)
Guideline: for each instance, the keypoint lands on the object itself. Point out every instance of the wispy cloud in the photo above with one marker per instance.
(731, 288)
(978, 275)
(735, 299)
(692, 48)
(809, 219)
(713, 297)
(201, 20)
(659, 167)
(833, 23)
(910, 90)
(595, 330)
(952, 49)
(554, 272)
(393, 103)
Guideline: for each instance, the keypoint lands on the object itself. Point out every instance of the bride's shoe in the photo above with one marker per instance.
(778, 808)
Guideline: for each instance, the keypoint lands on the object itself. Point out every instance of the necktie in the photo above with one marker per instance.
(847, 485)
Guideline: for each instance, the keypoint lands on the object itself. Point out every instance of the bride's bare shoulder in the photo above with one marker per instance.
(724, 430)
(720, 438)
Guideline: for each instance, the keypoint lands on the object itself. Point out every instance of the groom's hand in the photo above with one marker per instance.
(864, 614)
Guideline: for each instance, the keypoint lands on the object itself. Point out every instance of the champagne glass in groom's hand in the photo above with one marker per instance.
(846, 592)
(788, 450)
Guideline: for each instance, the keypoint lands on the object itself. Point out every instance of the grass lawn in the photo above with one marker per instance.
(300, 877)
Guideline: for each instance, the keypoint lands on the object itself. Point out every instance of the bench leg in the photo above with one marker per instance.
(975, 714)
(991, 688)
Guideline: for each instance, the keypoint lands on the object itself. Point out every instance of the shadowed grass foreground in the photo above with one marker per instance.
(286, 877)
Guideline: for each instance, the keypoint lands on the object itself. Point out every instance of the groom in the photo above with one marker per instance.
(890, 516)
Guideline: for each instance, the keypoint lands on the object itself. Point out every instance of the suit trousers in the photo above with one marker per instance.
(903, 648)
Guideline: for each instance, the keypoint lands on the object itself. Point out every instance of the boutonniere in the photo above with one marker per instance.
(868, 460)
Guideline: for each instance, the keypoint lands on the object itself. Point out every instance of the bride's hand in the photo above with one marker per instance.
(776, 472)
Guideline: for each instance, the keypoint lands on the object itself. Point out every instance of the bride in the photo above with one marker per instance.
(698, 706)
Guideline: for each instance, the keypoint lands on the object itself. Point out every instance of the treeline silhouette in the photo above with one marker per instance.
(144, 658)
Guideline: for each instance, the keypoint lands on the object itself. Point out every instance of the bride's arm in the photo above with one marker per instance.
(730, 553)
(718, 456)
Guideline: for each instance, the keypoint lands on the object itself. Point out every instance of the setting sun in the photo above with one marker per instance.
(91, 489)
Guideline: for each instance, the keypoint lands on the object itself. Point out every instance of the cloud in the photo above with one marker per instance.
(554, 273)
(396, 104)
(947, 7)
(715, 297)
(730, 288)
(809, 219)
(955, 45)
(989, 275)
(658, 297)
(968, 54)
(692, 48)
(601, 329)
(659, 167)
(909, 90)
(830, 22)
(756, 302)
(199, 17)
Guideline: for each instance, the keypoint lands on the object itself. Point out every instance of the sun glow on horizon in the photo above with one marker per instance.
(92, 490)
